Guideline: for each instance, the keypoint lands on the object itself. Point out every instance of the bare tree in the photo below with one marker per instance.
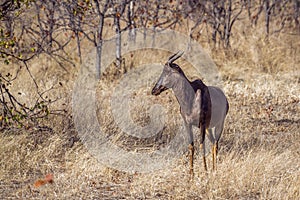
(296, 13)
(219, 15)
(118, 11)
(23, 37)
(157, 15)
(98, 38)
(277, 14)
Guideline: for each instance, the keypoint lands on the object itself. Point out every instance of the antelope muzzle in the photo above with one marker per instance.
(158, 89)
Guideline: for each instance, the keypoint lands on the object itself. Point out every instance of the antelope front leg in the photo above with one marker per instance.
(189, 131)
(191, 155)
(203, 156)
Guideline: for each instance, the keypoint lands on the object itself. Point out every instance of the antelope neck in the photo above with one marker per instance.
(184, 93)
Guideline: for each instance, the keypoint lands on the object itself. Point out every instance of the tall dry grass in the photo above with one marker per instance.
(259, 155)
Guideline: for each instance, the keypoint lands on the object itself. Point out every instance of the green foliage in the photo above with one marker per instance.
(14, 114)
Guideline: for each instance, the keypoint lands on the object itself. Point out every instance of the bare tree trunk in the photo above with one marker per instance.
(155, 19)
(99, 38)
(249, 8)
(217, 15)
(131, 23)
(296, 13)
(51, 22)
(118, 39)
(78, 43)
(99, 47)
(267, 16)
(227, 28)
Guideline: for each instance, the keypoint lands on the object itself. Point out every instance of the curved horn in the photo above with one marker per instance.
(175, 56)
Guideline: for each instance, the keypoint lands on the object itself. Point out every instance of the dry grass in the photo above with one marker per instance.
(259, 151)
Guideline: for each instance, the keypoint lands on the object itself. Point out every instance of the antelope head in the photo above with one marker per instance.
(166, 79)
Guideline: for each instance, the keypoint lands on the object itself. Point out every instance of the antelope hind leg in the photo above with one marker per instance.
(191, 155)
(203, 156)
